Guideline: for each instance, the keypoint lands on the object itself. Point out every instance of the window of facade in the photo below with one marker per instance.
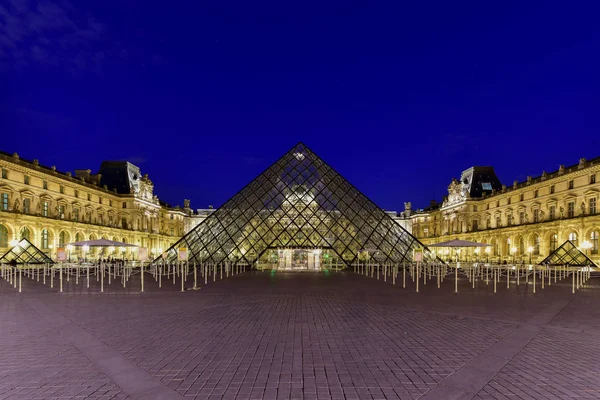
(498, 222)
(100, 200)
(4, 174)
(124, 204)
(25, 233)
(536, 245)
(3, 236)
(571, 184)
(594, 240)
(571, 209)
(488, 223)
(124, 223)
(475, 225)
(573, 238)
(45, 207)
(26, 205)
(100, 218)
(76, 214)
(593, 205)
(474, 208)
(171, 216)
(173, 232)
(509, 219)
(592, 179)
(110, 203)
(62, 189)
(536, 215)
(498, 203)
(45, 184)
(26, 180)
(522, 217)
(521, 197)
(552, 213)
(521, 245)
(62, 239)
(553, 242)
(552, 189)
(61, 211)
(4, 202)
(89, 197)
(76, 193)
(508, 201)
(110, 220)
(45, 245)
(535, 193)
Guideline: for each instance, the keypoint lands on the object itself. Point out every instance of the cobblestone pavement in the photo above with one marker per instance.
(299, 336)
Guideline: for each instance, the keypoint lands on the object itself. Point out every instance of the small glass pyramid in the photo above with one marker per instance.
(568, 253)
(25, 252)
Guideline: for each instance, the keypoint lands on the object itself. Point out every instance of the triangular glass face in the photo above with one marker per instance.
(569, 254)
(25, 253)
(299, 202)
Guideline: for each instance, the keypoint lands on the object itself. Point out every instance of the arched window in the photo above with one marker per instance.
(573, 238)
(494, 244)
(594, 240)
(3, 236)
(536, 245)
(45, 244)
(25, 233)
(521, 245)
(78, 237)
(62, 239)
(553, 242)
(508, 249)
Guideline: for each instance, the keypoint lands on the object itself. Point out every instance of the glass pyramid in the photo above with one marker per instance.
(568, 253)
(298, 202)
(25, 252)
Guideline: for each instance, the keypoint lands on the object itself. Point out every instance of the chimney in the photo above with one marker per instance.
(432, 203)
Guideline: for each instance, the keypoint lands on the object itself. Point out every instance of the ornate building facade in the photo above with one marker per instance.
(52, 208)
(525, 221)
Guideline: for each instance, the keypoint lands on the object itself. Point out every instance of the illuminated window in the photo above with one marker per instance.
(45, 208)
(593, 205)
(76, 214)
(26, 205)
(522, 217)
(571, 209)
(4, 174)
(573, 238)
(536, 245)
(45, 239)
(552, 213)
(124, 204)
(4, 202)
(553, 242)
(3, 236)
(536, 215)
(61, 211)
(25, 233)
(62, 239)
(594, 240)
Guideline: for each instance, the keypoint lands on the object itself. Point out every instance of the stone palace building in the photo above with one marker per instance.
(524, 220)
(52, 208)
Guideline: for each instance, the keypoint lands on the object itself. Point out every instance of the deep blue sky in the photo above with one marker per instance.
(399, 97)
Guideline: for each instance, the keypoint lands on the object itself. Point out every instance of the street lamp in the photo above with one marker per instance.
(69, 248)
(513, 250)
(586, 245)
(530, 250)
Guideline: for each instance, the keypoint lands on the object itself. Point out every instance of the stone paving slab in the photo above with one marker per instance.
(304, 336)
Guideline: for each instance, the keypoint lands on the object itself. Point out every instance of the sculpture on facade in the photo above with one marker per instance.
(562, 212)
(17, 205)
(582, 208)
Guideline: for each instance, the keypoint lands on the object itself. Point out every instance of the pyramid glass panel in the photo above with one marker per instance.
(25, 252)
(569, 254)
(299, 211)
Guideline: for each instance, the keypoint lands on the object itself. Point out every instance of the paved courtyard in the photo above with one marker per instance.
(300, 336)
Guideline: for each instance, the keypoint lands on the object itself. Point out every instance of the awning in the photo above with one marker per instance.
(459, 243)
(101, 243)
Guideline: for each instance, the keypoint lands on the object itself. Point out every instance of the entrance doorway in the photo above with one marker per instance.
(299, 259)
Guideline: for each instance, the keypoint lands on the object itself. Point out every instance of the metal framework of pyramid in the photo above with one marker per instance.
(298, 202)
(25, 252)
(568, 253)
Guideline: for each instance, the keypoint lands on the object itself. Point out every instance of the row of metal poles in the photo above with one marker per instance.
(482, 272)
(121, 272)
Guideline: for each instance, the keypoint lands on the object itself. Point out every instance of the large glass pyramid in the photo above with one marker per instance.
(298, 202)
(568, 253)
(25, 252)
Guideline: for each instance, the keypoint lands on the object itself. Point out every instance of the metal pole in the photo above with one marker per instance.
(61, 277)
(456, 278)
(142, 275)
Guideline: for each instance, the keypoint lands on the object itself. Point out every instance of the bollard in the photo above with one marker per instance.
(51, 277)
(417, 280)
(534, 274)
(573, 283)
(495, 278)
(20, 279)
(88, 276)
(221, 271)
(159, 276)
(77, 276)
(206, 273)
(456, 278)
(215, 273)
(403, 276)
(142, 276)
(518, 274)
(195, 277)
(60, 277)
(507, 278)
(45, 269)
(182, 277)
(101, 267)
(438, 275)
